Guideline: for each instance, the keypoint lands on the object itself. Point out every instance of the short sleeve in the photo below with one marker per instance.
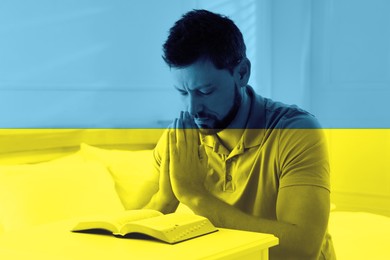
(303, 153)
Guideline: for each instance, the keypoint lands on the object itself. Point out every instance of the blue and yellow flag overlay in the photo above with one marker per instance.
(83, 73)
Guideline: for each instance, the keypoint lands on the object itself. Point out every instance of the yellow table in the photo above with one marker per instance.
(55, 241)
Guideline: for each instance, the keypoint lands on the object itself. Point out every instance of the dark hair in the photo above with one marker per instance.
(203, 34)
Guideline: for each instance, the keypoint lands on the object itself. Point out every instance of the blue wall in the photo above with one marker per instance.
(97, 64)
(84, 63)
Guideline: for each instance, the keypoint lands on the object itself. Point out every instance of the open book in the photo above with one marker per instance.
(171, 228)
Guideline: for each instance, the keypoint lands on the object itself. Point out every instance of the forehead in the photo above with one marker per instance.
(199, 74)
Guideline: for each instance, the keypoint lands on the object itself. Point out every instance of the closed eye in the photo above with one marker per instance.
(206, 91)
(183, 92)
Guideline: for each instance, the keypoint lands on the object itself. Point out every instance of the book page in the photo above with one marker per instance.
(134, 215)
(115, 221)
(171, 228)
(168, 221)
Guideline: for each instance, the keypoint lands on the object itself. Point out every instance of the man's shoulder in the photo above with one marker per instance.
(283, 116)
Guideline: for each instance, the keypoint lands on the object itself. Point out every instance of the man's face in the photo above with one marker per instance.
(210, 95)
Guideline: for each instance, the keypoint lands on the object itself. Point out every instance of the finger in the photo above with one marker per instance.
(181, 115)
(202, 153)
(191, 121)
(187, 119)
(183, 128)
(192, 133)
(173, 133)
(165, 159)
(192, 125)
(187, 126)
(172, 142)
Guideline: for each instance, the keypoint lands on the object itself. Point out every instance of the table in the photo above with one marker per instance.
(55, 241)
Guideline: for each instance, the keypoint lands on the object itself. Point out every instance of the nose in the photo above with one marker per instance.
(194, 105)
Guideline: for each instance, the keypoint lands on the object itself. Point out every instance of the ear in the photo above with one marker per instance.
(242, 72)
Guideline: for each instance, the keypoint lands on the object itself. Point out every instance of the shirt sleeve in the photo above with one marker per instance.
(303, 153)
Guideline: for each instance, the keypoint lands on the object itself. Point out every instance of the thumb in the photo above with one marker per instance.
(202, 153)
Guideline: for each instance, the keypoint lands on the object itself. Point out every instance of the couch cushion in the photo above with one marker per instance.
(132, 171)
(59, 189)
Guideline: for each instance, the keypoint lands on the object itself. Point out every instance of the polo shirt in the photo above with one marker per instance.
(281, 146)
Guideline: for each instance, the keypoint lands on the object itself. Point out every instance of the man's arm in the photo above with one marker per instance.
(302, 217)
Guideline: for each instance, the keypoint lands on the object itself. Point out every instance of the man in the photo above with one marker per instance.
(241, 160)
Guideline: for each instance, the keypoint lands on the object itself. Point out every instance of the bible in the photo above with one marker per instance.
(170, 228)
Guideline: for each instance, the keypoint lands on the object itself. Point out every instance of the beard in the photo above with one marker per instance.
(216, 125)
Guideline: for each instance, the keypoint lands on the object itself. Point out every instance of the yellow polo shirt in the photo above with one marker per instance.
(281, 146)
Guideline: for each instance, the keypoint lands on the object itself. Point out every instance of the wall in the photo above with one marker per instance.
(333, 59)
(96, 63)
(290, 47)
(360, 169)
(85, 63)
(350, 72)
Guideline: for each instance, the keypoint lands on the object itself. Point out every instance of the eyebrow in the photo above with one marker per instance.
(209, 85)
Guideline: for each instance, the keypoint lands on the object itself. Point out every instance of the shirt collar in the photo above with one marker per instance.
(255, 128)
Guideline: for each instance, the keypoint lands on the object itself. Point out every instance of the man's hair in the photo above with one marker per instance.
(203, 34)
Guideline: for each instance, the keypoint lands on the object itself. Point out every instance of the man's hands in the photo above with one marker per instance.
(188, 160)
(182, 169)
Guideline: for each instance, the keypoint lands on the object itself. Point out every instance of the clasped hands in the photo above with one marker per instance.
(187, 160)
